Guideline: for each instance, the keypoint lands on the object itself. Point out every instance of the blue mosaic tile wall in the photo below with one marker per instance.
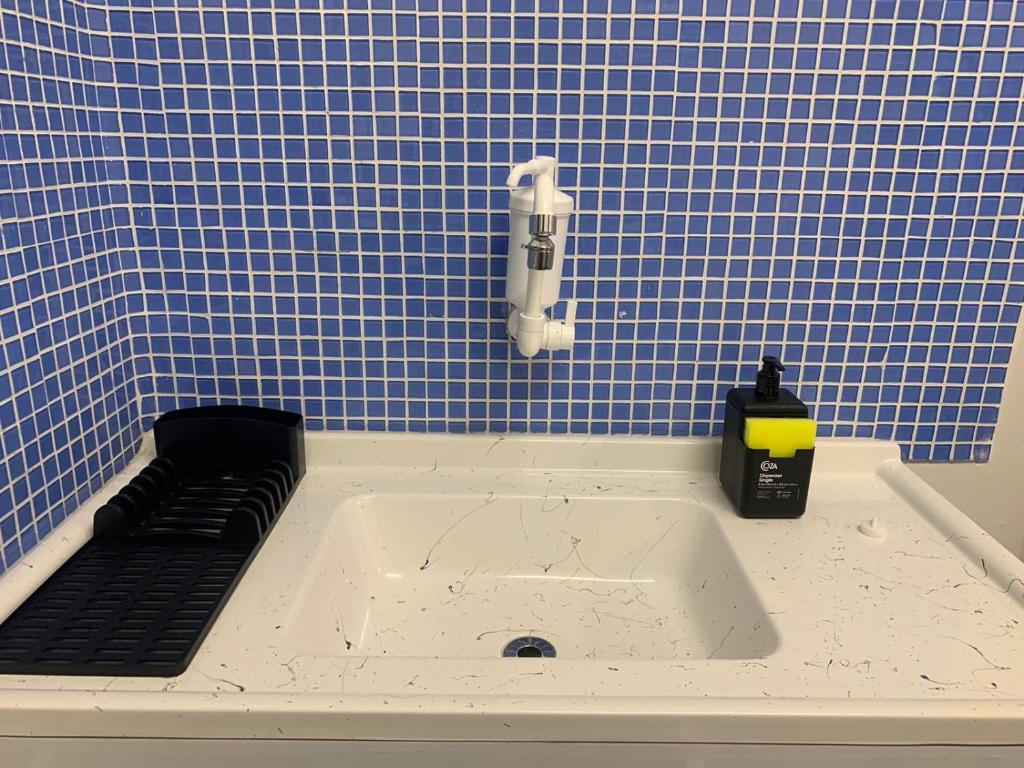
(321, 221)
(300, 204)
(68, 419)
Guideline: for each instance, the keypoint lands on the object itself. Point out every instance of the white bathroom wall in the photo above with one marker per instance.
(993, 493)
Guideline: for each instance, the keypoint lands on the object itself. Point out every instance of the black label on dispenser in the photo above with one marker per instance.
(773, 483)
(773, 487)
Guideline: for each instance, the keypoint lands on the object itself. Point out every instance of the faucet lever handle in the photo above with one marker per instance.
(570, 312)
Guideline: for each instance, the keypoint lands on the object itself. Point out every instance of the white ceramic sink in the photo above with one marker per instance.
(379, 607)
(462, 575)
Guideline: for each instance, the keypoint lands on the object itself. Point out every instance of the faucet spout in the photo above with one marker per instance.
(540, 251)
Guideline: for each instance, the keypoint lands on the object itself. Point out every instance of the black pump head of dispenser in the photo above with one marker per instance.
(768, 379)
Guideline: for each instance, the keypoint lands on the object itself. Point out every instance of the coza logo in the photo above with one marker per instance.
(768, 465)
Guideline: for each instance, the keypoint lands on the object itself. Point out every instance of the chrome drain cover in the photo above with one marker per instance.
(529, 648)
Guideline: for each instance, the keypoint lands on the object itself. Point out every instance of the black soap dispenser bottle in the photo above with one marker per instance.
(767, 447)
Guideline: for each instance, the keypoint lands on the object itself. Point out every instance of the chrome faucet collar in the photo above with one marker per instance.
(543, 224)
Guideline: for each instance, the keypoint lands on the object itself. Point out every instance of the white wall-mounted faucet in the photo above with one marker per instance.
(538, 224)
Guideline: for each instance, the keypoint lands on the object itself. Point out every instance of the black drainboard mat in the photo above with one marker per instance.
(167, 550)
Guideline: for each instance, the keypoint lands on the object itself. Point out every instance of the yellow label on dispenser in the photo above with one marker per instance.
(781, 437)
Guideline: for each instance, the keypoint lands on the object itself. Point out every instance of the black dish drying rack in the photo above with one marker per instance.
(167, 550)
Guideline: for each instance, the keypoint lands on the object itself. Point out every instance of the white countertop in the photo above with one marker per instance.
(914, 638)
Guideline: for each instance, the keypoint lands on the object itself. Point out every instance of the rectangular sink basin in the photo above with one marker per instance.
(466, 576)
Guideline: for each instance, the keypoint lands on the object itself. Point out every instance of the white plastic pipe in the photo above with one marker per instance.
(543, 169)
(532, 322)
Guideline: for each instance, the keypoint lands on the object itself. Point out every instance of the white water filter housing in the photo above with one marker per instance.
(520, 210)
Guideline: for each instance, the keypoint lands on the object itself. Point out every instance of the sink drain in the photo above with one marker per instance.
(529, 648)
